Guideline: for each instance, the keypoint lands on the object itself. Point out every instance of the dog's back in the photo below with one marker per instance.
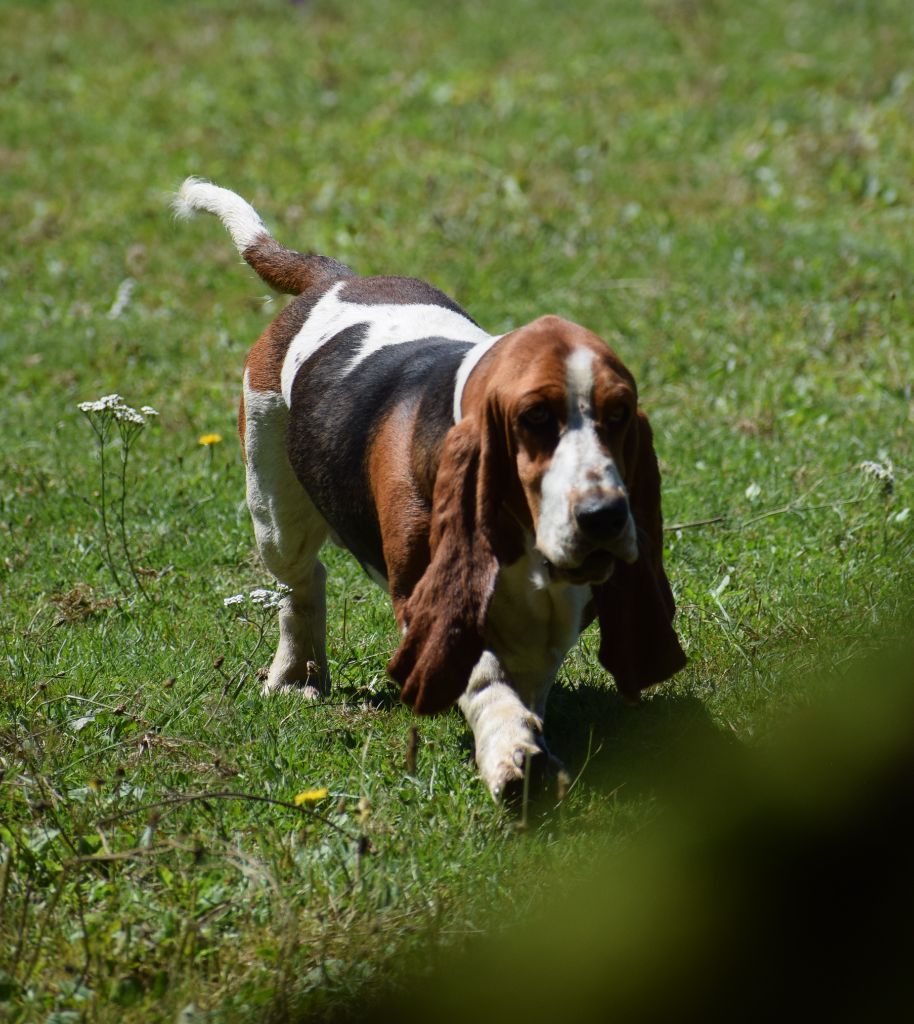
(346, 354)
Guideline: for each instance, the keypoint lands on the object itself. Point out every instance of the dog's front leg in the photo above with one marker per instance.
(507, 733)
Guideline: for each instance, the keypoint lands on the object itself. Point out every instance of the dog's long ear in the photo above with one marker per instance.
(635, 606)
(446, 613)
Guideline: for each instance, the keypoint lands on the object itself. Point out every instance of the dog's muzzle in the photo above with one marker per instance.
(607, 532)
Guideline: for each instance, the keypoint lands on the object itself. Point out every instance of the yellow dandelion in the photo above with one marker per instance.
(209, 439)
(311, 796)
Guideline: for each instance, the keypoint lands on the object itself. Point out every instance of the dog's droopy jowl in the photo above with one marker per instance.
(504, 490)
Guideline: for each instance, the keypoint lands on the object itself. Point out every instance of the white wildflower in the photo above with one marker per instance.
(753, 491)
(102, 404)
(147, 410)
(127, 414)
(884, 472)
(266, 598)
(879, 471)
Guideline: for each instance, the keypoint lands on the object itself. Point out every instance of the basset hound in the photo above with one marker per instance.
(503, 489)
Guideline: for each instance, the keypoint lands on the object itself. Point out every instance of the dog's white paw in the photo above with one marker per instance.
(304, 691)
(311, 685)
(531, 770)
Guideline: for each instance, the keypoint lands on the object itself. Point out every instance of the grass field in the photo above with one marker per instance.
(722, 190)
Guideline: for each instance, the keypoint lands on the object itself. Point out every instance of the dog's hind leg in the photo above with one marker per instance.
(289, 532)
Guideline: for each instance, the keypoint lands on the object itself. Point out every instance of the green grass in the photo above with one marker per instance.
(722, 191)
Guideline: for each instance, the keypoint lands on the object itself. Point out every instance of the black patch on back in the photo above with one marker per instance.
(334, 415)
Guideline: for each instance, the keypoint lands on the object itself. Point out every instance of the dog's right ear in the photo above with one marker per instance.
(446, 613)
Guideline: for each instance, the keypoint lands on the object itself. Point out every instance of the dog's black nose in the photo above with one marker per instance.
(602, 518)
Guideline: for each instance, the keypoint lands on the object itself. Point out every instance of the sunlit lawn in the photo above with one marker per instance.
(722, 191)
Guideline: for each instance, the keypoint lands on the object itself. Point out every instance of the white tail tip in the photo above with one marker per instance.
(238, 216)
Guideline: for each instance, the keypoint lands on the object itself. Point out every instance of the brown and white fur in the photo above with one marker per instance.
(504, 490)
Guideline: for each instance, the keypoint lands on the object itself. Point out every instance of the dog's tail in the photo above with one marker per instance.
(283, 269)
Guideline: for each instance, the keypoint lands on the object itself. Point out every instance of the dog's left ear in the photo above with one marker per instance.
(635, 606)
(446, 613)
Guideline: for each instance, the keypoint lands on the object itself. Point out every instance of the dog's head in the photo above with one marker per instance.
(552, 445)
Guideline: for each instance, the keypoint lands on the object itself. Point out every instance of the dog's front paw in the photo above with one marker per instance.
(505, 779)
(531, 773)
(527, 767)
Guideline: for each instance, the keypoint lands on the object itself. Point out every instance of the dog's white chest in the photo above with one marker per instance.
(533, 621)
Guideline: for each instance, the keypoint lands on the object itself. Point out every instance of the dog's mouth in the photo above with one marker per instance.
(597, 567)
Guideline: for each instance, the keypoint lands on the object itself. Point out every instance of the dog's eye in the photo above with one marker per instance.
(537, 418)
(617, 417)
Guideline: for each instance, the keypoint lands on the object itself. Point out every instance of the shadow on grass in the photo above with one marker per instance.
(610, 744)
